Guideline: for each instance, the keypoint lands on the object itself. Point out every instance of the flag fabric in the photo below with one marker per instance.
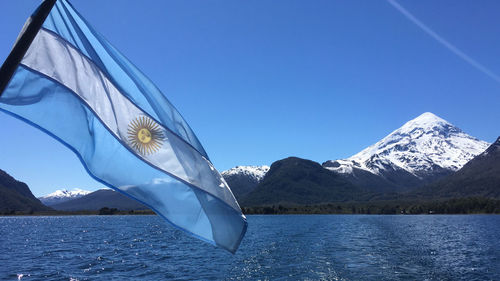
(65, 79)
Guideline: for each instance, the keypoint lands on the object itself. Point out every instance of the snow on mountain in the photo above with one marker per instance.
(420, 147)
(63, 195)
(243, 179)
(255, 172)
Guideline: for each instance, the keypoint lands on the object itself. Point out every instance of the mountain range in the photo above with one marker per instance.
(100, 199)
(404, 163)
(299, 181)
(62, 195)
(427, 158)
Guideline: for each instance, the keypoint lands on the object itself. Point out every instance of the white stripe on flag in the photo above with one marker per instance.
(52, 56)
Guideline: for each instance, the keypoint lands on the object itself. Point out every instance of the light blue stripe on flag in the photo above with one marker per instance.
(65, 21)
(74, 86)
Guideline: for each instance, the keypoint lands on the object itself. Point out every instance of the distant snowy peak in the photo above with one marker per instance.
(62, 195)
(66, 193)
(421, 146)
(255, 172)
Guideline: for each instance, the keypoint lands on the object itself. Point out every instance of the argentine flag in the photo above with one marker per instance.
(65, 79)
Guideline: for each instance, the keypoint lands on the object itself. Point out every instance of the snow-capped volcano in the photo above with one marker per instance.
(62, 195)
(425, 146)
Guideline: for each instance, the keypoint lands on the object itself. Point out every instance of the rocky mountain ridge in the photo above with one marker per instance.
(243, 179)
(480, 177)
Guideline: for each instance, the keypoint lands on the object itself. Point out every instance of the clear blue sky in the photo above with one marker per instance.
(263, 80)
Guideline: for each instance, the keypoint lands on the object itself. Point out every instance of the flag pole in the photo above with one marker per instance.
(24, 41)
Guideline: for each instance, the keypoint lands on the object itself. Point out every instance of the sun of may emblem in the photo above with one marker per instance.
(145, 135)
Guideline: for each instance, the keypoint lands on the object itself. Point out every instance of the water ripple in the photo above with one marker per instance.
(322, 247)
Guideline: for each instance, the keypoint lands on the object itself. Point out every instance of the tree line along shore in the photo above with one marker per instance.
(471, 205)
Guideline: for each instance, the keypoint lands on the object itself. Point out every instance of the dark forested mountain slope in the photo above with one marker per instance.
(299, 181)
(15, 196)
(479, 177)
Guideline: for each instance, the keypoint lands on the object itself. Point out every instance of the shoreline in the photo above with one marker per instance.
(454, 206)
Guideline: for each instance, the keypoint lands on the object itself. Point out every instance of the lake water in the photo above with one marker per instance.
(309, 247)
